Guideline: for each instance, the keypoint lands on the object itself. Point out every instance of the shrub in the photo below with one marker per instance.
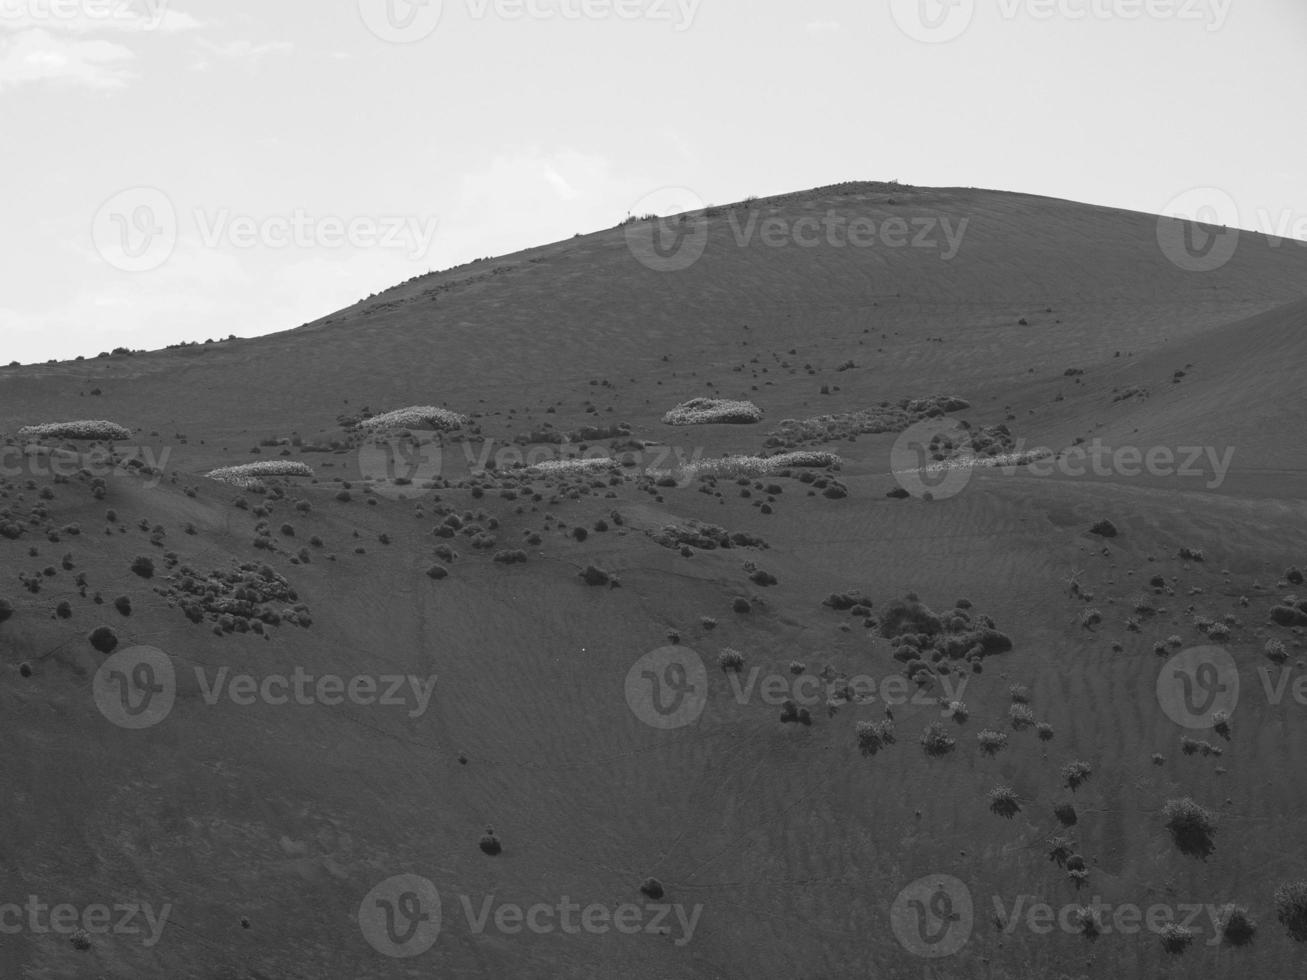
(1019, 693)
(437, 572)
(490, 844)
(1066, 814)
(1191, 826)
(908, 615)
(592, 575)
(991, 742)
(1060, 849)
(80, 430)
(874, 736)
(1021, 715)
(1091, 926)
(1237, 927)
(704, 411)
(103, 639)
(730, 659)
(143, 566)
(1175, 938)
(571, 467)
(937, 741)
(414, 417)
(1291, 908)
(123, 605)
(1288, 616)
(1003, 801)
(741, 605)
(1221, 724)
(653, 888)
(1076, 773)
(1045, 731)
(512, 557)
(1104, 529)
(247, 475)
(6, 610)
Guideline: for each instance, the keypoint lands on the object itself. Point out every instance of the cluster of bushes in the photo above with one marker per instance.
(595, 576)
(705, 537)
(247, 598)
(1290, 612)
(884, 417)
(874, 736)
(916, 632)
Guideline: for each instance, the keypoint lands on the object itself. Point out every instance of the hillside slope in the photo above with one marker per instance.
(525, 699)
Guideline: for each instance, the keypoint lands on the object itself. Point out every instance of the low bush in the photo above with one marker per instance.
(1291, 908)
(79, 430)
(706, 411)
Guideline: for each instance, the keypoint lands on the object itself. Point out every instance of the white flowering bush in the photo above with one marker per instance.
(705, 411)
(736, 466)
(414, 417)
(249, 476)
(83, 429)
(570, 467)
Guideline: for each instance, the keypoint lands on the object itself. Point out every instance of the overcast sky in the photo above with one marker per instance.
(182, 170)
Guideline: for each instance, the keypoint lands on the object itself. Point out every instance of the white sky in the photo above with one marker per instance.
(511, 123)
